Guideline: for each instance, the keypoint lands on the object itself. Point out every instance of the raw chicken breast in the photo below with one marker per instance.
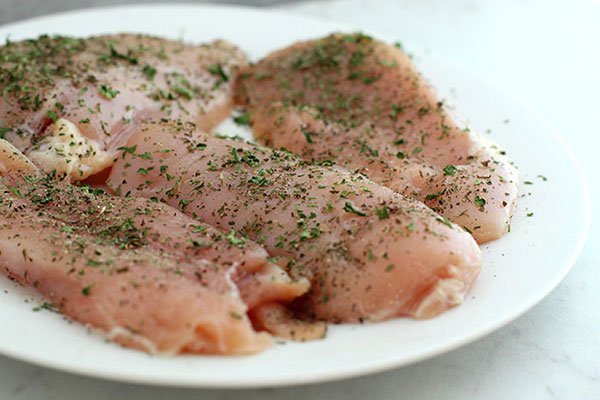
(142, 272)
(362, 104)
(104, 86)
(370, 253)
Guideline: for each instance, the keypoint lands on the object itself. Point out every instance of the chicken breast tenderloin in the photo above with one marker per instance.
(143, 273)
(371, 254)
(362, 104)
(69, 103)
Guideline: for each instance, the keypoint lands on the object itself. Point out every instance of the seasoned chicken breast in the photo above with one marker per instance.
(143, 273)
(104, 86)
(362, 104)
(370, 253)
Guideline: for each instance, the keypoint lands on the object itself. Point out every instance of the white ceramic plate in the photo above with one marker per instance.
(520, 269)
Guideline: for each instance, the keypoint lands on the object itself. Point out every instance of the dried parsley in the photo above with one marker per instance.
(349, 207)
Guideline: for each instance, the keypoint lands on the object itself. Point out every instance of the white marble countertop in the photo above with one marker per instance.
(547, 55)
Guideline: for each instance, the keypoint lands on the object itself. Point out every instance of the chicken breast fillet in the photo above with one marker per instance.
(370, 253)
(104, 86)
(362, 104)
(143, 273)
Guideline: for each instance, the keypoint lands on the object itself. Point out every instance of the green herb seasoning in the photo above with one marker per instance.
(218, 71)
(479, 201)
(149, 72)
(382, 212)
(450, 170)
(349, 207)
(242, 119)
(108, 92)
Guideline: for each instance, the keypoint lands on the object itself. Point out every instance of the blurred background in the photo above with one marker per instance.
(12, 10)
(546, 55)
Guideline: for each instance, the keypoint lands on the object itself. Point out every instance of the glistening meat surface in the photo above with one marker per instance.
(103, 87)
(370, 253)
(142, 272)
(362, 104)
